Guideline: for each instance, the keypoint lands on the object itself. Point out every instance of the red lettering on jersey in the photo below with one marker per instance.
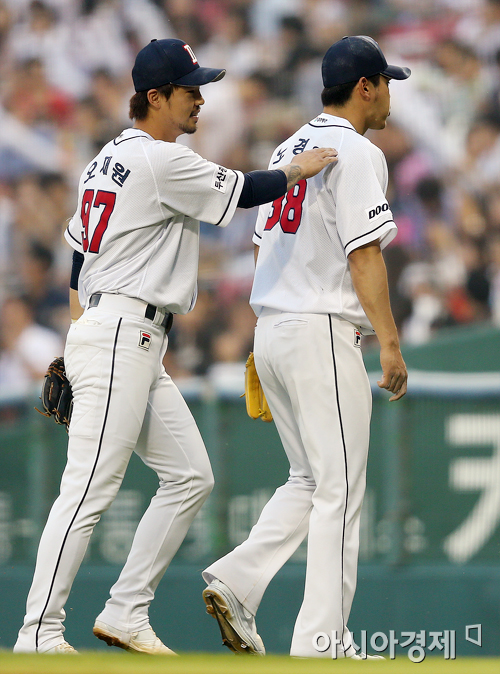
(102, 198)
(88, 197)
(274, 216)
(291, 215)
(292, 212)
(106, 199)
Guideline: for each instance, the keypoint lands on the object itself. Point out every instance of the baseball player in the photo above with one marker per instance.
(320, 283)
(135, 234)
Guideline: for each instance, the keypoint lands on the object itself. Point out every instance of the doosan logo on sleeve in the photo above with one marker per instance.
(377, 210)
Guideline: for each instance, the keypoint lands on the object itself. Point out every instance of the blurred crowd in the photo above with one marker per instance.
(64, 89)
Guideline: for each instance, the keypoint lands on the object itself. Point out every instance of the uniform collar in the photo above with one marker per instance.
(133, 133)
(325, 120)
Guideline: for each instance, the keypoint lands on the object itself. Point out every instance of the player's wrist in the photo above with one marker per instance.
(293, 174)
(391, 344)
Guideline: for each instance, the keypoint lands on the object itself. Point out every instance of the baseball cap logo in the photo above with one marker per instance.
(170, 61)
(191, 53)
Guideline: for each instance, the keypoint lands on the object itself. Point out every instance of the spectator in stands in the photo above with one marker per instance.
(41, 209)
(26, 349)
(494, 276)
(65, 73)
(190, 349)
(36, 102)
(49, 303)
(235, 341)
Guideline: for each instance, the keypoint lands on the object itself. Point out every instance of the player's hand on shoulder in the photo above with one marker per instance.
(394, 372)
(311, 162)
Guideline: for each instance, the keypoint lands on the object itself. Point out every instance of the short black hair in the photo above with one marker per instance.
(341, 93)
(139, 104)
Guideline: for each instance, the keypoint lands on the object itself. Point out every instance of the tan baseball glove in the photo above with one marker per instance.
(257, 407)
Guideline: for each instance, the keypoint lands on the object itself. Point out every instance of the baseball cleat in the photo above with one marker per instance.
(62, 649)
(363, 656)
(144, 641)
(237, 625)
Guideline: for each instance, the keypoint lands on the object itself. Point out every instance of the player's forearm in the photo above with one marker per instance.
(293, 173)
(263, 187)
(369, 277)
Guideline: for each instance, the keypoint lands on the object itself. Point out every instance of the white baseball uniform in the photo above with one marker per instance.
(308, 357)
(137, 224)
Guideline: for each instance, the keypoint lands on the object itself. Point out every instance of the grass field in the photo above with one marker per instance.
(123, 663)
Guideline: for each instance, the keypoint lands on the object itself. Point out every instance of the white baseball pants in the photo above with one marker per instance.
(123, 402)
(312, 372)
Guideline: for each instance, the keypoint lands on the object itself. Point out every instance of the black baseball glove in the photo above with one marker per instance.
(56, 397)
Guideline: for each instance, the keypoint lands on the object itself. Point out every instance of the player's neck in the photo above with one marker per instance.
(352, 113)
(158, 130)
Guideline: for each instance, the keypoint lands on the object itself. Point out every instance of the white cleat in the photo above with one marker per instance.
(144, 641)
(62, 649)
(237, 625)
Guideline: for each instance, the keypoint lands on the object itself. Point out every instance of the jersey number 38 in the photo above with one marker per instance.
(287, 210)
(102, 198)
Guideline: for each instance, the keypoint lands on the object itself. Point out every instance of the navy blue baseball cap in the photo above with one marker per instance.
(354, 57)
(170, 62)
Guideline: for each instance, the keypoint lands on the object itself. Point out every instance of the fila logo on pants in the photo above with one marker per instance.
(145, 340)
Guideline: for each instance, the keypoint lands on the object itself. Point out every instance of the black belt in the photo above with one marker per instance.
(150, 312)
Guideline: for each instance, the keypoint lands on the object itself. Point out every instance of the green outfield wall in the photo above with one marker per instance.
(430, 530)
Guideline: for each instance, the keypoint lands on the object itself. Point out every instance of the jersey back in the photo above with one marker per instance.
(306, 236)
(137, 220)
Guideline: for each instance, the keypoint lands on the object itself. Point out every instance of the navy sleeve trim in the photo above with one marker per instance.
(262, 187)
(325, 126)
(362, 236)
(230, 199)
(78, 259)
(71, 235)
(124, 140)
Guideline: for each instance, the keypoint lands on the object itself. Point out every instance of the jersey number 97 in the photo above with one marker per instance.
(92, 243)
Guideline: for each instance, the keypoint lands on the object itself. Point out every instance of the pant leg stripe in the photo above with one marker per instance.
(346, 476)
(86, 489)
